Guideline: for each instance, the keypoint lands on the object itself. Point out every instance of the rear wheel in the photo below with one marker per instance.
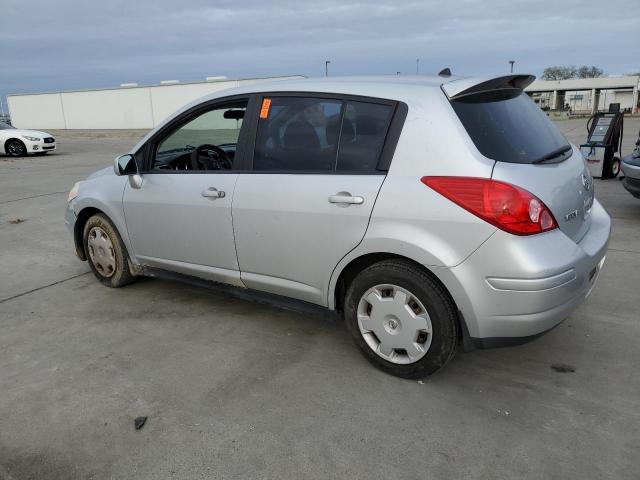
(106, 253)
(401, 318)
(15, 148)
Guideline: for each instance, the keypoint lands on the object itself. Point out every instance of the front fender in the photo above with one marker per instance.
(105, 193)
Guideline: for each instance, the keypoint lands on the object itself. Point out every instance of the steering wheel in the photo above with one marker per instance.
(223, 159)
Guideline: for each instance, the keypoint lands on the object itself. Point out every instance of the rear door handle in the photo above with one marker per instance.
(213, 193)
(346, 198)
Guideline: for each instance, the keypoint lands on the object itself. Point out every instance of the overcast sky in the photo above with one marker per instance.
(62, 44)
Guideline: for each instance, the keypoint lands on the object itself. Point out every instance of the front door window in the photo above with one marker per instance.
(206, 142)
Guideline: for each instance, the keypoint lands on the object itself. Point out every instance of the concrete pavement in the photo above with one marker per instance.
(237, 389)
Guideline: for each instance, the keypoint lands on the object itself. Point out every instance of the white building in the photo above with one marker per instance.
(587, 94)
(127, 107)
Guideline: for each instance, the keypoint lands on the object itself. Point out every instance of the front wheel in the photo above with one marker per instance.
(401, 318)
(106, 253)
(15, 148)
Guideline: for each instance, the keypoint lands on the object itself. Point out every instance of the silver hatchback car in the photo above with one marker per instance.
(431, 212)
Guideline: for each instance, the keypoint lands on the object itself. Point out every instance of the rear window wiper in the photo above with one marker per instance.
(555, 154)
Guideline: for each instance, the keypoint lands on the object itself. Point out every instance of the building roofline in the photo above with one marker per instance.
(600, 83)
(196, 82)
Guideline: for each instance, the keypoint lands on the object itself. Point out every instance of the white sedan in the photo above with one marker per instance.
(16, 142)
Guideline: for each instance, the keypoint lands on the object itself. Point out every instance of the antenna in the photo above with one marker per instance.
(445, 72)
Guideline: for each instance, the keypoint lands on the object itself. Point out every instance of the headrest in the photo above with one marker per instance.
(300, 134)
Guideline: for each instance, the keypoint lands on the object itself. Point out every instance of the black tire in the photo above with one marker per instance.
(614, 170)
(439, 305)
(121, 275)
(15, 148)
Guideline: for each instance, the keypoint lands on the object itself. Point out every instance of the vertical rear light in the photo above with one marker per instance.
(506, 206)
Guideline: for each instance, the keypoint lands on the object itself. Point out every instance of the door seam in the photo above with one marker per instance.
(364, 234)
(233, 230)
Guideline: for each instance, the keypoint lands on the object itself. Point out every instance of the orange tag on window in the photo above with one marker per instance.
(264, 111)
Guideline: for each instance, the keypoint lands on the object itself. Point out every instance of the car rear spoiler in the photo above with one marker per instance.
(465, 87)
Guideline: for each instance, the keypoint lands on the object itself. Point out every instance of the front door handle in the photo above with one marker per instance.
(213, 193)
(345, 198)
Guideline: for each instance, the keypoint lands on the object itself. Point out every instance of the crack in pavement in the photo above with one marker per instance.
(42, 288)
(33, 196)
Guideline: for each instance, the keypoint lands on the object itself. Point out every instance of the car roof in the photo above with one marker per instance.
(395, 87)
(410, 89)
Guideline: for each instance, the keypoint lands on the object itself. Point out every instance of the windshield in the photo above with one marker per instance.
(508, 127)
(5, 126)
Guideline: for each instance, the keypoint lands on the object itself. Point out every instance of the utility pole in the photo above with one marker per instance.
(326, 67)
(397, 73)
(511, 62)
(417, 66)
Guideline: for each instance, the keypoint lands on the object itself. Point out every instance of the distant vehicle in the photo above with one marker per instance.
(631, 169)
(429, 211)
(16, 142)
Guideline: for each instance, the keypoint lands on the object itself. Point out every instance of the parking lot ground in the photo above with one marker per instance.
(238, 389)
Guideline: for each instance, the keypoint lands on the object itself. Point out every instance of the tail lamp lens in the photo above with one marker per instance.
(506, 206)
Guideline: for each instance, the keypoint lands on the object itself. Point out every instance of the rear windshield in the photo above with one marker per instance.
(508, 127)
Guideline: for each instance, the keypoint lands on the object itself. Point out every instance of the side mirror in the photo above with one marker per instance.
(125, 165)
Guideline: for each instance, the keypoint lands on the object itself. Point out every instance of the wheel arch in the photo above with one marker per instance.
(354, 266)
(85, 212)
(6, 142)
(349, 271)
(78, 229)
(101, 195)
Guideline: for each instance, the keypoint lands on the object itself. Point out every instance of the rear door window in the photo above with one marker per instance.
(297, 134)
(508, 127)
(306, 134)
(362, 136)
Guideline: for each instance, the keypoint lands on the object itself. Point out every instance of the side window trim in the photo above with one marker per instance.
(393, 135)
(388, 149)
(343, 109)
(148, 150)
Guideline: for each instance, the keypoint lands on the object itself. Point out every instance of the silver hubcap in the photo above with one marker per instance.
(101, 252)
(395, 324)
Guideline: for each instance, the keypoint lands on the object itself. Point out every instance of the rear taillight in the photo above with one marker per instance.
(506, 206)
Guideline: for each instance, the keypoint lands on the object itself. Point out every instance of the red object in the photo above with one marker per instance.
(506, 206)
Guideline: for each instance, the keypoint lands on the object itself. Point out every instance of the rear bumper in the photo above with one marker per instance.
(513, 289)
(632, 185)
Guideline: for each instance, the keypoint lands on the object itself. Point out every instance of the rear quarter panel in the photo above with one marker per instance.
(409, 218)
(558, 185)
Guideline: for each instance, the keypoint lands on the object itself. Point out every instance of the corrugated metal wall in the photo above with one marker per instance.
(118, 108)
